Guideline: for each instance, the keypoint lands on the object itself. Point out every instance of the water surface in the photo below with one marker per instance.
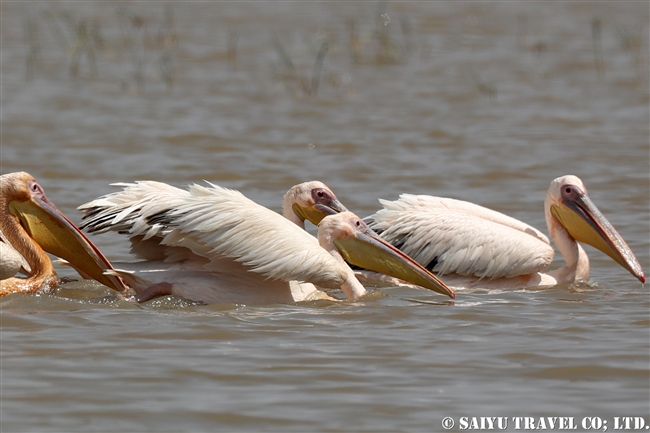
(486, 102)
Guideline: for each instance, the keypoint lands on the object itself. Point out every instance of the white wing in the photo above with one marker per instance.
(236, 286)
(216, 224)
(452, 236)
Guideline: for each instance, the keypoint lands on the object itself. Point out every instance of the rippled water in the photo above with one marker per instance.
(486, 102)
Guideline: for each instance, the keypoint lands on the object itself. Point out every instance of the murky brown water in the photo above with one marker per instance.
(486, 102)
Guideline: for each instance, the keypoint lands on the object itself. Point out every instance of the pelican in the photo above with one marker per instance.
(214, 245)
(472, 246)
(30, 224)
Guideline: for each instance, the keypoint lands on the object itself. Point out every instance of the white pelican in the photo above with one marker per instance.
(31, 224)
(472, 246)
(214, 245)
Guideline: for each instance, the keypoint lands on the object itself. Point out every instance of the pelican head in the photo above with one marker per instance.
(360, 246)
(24, 201)
(310, 201)
(568, 202)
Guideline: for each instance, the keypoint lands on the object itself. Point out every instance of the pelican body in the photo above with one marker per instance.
(11, 262)
(31, 225)
(214, 245)
(472, 246)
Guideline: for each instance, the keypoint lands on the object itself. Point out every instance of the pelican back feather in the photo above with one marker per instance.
(454, 237)
(215, 223)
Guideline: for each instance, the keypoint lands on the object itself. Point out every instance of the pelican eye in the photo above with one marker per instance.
(321, 195)
(571, 192)
(35, 188)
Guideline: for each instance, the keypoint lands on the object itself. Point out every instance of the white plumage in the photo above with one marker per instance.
(472, 246)
(213, 244)
(461, 237)
(11, 261)
(199, 234)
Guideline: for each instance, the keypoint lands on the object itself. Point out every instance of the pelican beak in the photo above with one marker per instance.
(57, 235)
(585, 223)
(369, 251)
(315, 213)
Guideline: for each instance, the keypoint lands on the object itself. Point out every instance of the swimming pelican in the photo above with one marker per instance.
(31, 223)
(214, 245)
(472, 246)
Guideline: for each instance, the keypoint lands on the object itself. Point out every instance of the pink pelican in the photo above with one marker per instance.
(472, 246)
(214, 245)
(30, 224)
